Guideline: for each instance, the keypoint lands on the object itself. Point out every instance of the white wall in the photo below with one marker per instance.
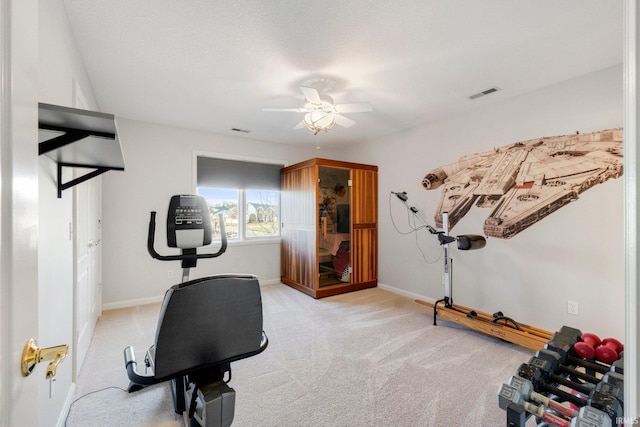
(576, 253)
(59, 61)
(159, 164)
(60, 67)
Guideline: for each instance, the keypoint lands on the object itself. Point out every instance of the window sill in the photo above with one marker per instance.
(249, 242)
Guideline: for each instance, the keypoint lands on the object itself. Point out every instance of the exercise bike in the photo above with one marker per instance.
(204, 324)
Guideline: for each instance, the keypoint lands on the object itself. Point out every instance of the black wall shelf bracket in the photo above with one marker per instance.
(68, 137)
(63, 186)
(77, 138)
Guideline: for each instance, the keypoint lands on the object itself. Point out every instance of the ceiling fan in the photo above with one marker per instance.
(322, 113)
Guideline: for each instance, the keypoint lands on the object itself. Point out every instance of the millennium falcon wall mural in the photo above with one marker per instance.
(526, 181)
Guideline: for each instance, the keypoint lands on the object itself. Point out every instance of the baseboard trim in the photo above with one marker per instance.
(131, 303)
(64, 412)
(407, 294)
(157, 299)
(270, 282)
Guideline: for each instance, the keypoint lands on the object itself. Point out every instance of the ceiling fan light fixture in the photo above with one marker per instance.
(321, 113)
(319, 120)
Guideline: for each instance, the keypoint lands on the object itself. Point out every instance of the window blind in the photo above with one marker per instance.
(237, 174)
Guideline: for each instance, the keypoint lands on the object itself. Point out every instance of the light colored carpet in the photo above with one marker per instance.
(367, 358)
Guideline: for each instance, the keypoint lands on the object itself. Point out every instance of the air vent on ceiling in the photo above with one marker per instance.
(484, 92)
(239, 130)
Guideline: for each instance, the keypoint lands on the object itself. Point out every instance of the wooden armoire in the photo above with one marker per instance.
(329, 219)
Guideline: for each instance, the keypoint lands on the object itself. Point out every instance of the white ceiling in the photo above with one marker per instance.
(214, 64)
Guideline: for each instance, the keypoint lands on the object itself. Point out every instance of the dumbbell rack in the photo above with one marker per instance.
(559, 387)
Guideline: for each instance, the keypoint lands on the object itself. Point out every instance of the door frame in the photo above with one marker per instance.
(19, 211)
(631, 183)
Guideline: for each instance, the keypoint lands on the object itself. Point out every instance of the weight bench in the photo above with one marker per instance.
(203, 326)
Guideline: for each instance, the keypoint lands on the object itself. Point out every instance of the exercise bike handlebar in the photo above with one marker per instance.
(156, 255)
(139, 380)
(132, 372)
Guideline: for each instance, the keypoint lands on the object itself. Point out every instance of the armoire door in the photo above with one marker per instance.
(334, 226)
(364, 237)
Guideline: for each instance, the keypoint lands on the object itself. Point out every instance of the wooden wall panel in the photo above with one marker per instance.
(364, 254)
(364, 193)
(365, 225)
(298, 229)
(298, 199)
(299, 251)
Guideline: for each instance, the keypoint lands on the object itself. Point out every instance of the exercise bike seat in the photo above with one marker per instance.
(203, 326)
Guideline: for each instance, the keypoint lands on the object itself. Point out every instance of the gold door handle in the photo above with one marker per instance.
(32, 355)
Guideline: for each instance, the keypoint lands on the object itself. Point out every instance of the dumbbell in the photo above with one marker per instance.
(578, 417)
(508, 394)
(574, 333)
(610, 377)
(585, 417)
(563, 344)
(618, 365)
(610, 350)
(614, 378)
(586, 347)
(591, 417)
(554, 359)
(538, 371)
(608, 391)
(525, 387)
(590, 346)
(611, 383)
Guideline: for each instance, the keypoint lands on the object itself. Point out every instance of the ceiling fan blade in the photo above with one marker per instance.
(358, 107)
(311, 94)
(296, 110)
(300, 125)
(345, 122)
(325, 122)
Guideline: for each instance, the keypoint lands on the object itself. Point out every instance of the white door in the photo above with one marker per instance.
(19, 208)
(88, 275)
(87, 252)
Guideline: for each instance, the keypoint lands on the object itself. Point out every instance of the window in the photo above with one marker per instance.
(225, 202)
(247, 194)
(262, 213)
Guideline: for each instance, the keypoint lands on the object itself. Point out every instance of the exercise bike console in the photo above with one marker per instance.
(188, 228)
(186, 225)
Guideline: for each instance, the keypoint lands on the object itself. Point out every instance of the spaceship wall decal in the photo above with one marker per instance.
(526, 181)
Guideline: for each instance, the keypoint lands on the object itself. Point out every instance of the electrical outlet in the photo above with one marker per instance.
(572, 307)
(170, 274)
